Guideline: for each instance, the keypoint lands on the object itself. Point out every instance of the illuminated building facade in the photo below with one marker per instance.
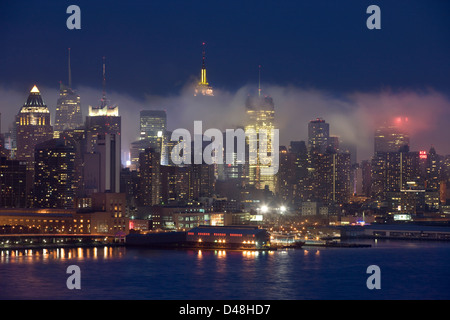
(54, 183)
(68, 111)
(150, 177)
(68, 107)
(100, 121)
(153, 124)
(13, 192)
(260, 118)
(391, 136)
(394, 172)
(33, 126)
(331, 177)
(101, 171)
(203, 88)
(318, 135)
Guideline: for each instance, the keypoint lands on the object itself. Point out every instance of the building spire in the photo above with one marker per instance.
(104, 83)
(70, 72)
(259, 81)
(203, 79)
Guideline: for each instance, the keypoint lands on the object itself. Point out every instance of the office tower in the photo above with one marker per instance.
(101, 171)
(260, 113)
(432, 170)
(366, 169)
(234, 170)
(318, 135)
(202, 181)
(150, 177)
(13, 193)
(68, 114)
(136, 148)
(153, 134)
(77, 139)
(286, 176)
(333, 143)
(103, 119)
(302, 190)
(203, 88)
(33, 126)
(54, 183)
(391, 136)
(394, 172)
(331, 182)
(153, 124)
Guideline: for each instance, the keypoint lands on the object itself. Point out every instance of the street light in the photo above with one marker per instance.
(264, 209)
(282, 209)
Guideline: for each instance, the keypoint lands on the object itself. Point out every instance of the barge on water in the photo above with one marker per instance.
(206, 237)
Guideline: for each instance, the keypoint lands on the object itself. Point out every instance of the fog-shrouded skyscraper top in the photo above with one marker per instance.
(318, 135)
(68, 108)
(33, 126)
(153, 124)
(203, 88)
(392, 135)
(103, 119)
(260, 112)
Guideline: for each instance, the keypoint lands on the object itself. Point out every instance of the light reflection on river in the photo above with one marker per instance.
(409, 270)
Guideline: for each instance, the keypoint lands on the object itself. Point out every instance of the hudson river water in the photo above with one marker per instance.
(408, 270)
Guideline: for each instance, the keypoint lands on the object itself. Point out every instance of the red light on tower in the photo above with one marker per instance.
(423, 155)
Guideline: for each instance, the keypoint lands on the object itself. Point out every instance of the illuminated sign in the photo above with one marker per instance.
(423, 155)
(402, 217)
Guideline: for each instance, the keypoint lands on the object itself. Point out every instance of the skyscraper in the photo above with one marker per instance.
(260, 112)
(103, 119)
(54, 183)
(318, 135)
(33, 126)
(203, 88)
(13, 192)
(68, 108)
(391, 136)
(101, 172)
(150, 177)
(153, 124)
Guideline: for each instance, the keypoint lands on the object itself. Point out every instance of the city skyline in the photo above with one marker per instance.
(241, 150)
(344, 88)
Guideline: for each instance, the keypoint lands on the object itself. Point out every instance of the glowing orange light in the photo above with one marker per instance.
(423, 155)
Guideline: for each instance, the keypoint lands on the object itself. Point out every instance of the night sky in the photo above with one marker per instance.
(153, 48)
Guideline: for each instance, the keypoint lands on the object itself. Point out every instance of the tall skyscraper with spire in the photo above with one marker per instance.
(203, 87)
(102, 119)
(68, 107)
(103, 157)
(33, 126)
(260, 112)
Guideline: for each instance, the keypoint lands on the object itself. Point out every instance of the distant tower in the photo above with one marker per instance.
(203, 87)
(391, 136)
(260, 117)
(318, 135)
(68, 108)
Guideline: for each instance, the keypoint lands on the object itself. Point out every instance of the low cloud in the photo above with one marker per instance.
(352, 116)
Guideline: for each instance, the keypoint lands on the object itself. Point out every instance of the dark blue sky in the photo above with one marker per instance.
(155, 46)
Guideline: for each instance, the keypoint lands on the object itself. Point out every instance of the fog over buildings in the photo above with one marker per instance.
(353, 116)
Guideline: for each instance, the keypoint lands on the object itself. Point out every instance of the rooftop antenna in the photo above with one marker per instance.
(259, 81)
(70, 72)
(104, 82)
(203, 55)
